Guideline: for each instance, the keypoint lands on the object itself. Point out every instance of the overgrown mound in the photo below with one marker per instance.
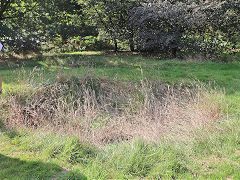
(53, 103)
(106, 111)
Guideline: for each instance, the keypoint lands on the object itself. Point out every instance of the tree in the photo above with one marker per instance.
(14, 9)
(168, 26)
(13, 15)
(226, 19)
(161, 25)
(25, 24)
(112, 17)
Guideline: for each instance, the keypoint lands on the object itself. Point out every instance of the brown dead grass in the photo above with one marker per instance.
(102, 111)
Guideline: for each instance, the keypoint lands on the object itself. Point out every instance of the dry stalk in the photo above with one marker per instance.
(102, 111)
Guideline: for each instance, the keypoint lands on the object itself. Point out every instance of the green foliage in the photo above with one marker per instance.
(112, 17)
(172, 27)
(94, 43)
(26, 25)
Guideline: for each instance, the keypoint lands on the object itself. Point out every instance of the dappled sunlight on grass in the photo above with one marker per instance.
(83, 53)
(224, 74)
(12, 87)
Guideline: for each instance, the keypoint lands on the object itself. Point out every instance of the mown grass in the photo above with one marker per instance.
(40, 154)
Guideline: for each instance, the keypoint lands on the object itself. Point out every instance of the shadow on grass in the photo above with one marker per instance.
(14, 63)
(12, 168)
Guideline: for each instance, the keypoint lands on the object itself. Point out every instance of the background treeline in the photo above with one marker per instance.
(171, 27)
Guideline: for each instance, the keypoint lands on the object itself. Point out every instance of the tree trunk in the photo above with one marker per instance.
(115, 45)
(174, 52)
(131, 42)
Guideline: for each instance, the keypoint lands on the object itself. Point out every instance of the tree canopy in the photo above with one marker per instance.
(168, 26)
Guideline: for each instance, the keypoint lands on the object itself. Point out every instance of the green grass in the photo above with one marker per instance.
(41, 154)
(16, 163)
(129, 68)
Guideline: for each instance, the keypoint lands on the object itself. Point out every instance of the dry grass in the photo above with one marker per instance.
(101, 111)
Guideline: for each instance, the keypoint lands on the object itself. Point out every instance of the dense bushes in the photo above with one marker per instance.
(174, 26)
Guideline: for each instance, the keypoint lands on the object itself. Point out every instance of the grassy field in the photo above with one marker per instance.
(129, 68)
(205, 153)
